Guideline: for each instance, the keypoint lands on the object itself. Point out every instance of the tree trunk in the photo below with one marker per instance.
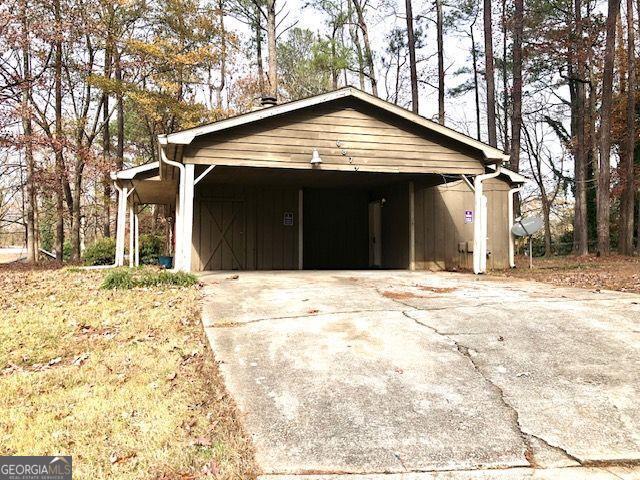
(489, 74)
(604, 174)
(516, 116)
(334, 70)
(76, 213)
(440, 34)
(59, 159)
(580, 231)
(31, 205)
(106, 147)
(476, 90)
(368, 56)
(411, 45)
(546, 213)
(271, 42)
(223, 55)
(360, 59)
(258, 27)
(505, 78)
(119, 115)
(627, 207)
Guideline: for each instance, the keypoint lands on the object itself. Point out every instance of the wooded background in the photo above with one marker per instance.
(87, 85)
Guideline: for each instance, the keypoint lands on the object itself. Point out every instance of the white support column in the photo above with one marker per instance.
(121, 225)
(412, 228)
(132, 228)
(136, 222)
(187, 216)
(300, 230)
(177, 236)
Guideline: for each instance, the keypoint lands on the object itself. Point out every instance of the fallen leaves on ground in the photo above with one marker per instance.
(121, 380)
(614, 272)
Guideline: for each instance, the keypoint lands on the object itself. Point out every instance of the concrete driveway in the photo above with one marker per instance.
(429, 375)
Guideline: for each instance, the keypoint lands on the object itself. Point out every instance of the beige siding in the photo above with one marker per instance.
(242, 228)
(347, 137)
(440, 228)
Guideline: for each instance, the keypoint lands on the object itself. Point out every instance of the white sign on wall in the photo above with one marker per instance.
(287, 219)
(468, 216)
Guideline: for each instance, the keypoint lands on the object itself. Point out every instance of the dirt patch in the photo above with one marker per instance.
(401, 295)
(426, 288)
(598, 273)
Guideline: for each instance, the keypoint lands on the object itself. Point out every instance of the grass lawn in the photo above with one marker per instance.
(598, 273)
(122, 380)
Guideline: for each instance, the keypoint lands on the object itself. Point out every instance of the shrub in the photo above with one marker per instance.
(126, 279)
(101, 252)
(165, 278)
(120, 279)
(150, 248)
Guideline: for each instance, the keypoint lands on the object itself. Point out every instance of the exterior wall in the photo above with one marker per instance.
(443, 241)
(348, 136)
(242, 228)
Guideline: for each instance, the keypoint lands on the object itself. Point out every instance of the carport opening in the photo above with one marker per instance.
(284, 219)
(356, 228)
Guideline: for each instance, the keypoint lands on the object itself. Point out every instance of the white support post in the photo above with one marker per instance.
(300, 230)
(480, 222)
(187, 216)
(136, 222)
(412, 227)
(121, 225)
(132, 228)
(177, 236)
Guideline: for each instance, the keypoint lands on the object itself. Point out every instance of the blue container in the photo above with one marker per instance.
(165, 261)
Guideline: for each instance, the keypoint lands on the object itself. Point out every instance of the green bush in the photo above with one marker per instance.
(124, 278)
(101, 252)
(150, 249)
(120, 279)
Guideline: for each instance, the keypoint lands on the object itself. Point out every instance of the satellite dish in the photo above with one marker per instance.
(527, 226)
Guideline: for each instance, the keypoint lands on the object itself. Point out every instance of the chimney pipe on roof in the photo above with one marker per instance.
(268, 101)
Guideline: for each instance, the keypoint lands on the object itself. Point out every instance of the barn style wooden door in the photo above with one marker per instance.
(226, 221)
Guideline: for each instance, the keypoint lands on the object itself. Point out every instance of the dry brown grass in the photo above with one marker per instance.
(122, 380)
(600, 273)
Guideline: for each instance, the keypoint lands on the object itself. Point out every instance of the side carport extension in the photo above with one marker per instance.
(136, 187)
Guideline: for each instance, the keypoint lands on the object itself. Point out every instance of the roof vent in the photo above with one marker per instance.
(268, 101)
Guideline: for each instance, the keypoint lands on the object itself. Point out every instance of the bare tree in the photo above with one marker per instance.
(59, 163)
(27, 127)
(440, 34)
(411, 44)
(490, 74)
(516, 95)
(271, 43)
(368, 55)
(625, 245)
(580, 148)
(604, 174)
(541, 161)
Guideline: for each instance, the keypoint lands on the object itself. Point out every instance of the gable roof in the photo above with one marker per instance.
(185, 137)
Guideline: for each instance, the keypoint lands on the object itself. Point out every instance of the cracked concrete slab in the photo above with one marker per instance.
(579, 473)
(376, 372)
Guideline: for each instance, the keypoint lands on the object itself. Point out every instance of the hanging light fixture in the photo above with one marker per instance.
(315, 158)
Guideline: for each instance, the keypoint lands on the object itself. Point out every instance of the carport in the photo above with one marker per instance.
(341, 180)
